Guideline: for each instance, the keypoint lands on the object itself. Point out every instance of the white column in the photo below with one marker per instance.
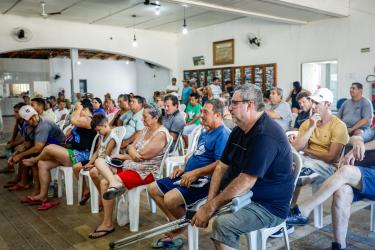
(74, 62)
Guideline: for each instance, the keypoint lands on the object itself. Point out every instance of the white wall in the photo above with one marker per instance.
(115, 77)
(103, 76)
(150, 80)
(291, 45)
(23, 65)
(48, 33)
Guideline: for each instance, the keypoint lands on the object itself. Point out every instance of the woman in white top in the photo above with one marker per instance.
(141, 165)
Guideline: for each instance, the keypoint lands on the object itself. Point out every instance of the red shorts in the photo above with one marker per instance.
(132, 179)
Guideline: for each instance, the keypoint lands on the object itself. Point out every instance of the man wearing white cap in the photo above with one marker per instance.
(38, 133)
(321, 138)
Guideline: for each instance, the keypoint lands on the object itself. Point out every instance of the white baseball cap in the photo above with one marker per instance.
(26, 112)
(322, 95)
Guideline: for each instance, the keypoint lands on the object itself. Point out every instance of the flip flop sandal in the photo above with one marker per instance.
(176, 243)
(8, 185)
(48, 205)
(30, 200)
(18, 187)
(84, 199)
(6, 171)
(112, 192)
(106, 232)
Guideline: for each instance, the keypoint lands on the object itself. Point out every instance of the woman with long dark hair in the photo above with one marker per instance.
(297, 88)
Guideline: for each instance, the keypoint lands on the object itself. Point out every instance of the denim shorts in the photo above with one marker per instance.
(78, 156)
(368, 184)
(190, 195)
(228, 227)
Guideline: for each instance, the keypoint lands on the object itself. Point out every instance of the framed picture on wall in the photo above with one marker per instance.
(223, 52)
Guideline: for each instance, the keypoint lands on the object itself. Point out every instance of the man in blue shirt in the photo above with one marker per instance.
(257, 157)
(350, 183)
(174, 194)
(186, 91)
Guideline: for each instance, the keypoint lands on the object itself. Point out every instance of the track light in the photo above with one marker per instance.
(184, 26)
(157, 8)
(135, 41)
(134, 37)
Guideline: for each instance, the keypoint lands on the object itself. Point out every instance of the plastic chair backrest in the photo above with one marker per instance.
(195, 136)
(166, 153)
(297, 160)
(120, 133)
(340, 102)
(93, 145)
(110, 117)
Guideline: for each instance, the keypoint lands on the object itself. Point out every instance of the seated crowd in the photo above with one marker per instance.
(242, 145)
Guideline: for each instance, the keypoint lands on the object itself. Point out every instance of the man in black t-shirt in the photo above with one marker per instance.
(305, 104)
(257, 157)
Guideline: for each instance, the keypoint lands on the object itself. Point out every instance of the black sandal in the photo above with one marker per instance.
(112, 192)
(106, 232)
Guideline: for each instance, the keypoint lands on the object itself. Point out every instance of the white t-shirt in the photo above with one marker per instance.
(216, 90)
(117, 134)
(60, 113)
(173, 88)
(49, 115)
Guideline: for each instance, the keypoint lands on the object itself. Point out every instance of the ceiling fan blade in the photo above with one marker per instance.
(54, 13)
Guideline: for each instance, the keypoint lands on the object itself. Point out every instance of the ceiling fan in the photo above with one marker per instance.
(44, 14)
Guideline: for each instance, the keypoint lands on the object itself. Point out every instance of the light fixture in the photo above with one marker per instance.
(184, 26)
(134, 37)
(157, 8)
(134, 41)
(127, 62)
(79, 62)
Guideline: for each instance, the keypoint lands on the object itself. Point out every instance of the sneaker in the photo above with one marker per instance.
(279, 234)
(296, 218)
(306, 176)
(337, 246)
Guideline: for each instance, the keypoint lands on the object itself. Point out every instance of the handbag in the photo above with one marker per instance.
(123, 210)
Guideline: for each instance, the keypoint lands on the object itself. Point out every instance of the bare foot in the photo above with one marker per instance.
(29, 162)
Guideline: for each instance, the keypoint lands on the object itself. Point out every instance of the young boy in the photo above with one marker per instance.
(193, 113)
(109, 144)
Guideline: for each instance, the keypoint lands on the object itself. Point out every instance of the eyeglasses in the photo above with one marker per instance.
(235, 103)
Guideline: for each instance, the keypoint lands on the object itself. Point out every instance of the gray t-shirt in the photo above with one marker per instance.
(133, 124)
(353, 111)
(46, 131)
(283, 110)
(175, 122)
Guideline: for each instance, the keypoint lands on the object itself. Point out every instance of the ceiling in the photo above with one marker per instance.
(51, 53)
(119, 12)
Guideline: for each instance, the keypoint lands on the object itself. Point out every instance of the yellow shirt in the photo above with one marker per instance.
(334, 131)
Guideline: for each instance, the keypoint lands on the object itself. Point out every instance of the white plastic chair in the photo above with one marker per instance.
(193, 231)
(110, 117)
(257, 240)
(172, 161)
(94, 192)
(68, 177)
(134, 196)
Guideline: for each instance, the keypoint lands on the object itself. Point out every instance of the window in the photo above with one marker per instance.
(18, 88)
(322, 74)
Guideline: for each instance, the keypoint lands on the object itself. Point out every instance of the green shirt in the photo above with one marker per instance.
(192, 111)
